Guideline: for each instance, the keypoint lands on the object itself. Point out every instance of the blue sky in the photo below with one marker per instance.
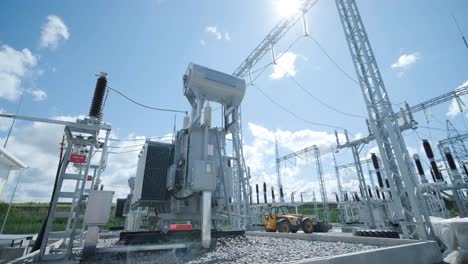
(145, 47)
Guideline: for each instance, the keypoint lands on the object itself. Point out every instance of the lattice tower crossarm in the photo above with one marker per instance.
(272, 38)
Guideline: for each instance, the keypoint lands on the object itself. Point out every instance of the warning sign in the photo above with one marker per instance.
(77, 158)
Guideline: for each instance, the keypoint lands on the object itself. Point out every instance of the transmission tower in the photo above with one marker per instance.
(409, 209)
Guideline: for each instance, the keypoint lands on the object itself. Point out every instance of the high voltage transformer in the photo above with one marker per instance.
(191, 178)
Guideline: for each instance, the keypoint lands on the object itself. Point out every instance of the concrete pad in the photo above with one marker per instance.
(399, 251)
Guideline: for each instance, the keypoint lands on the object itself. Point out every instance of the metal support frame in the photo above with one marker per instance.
(363, 187)
(80, 134)
(323, 190)
(411, 212)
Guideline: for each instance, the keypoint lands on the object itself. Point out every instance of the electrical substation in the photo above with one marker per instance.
(193, 198)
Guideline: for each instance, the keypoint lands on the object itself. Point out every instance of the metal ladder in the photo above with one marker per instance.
(223, 159)
(75, 138)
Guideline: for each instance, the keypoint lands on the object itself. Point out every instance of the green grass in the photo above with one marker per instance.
(26, 218)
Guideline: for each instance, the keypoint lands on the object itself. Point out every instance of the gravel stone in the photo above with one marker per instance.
(252, 249)
(241, 249)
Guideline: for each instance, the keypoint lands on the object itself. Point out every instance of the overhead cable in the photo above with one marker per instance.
(317, 99)
(291, 112)
(332, 60)
(146, 106)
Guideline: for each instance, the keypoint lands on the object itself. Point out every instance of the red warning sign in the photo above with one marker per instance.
(77, 158)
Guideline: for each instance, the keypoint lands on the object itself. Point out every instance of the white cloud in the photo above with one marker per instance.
(214, 31)
(38, 95)
(284, 64)
(405, 60)
(53, 31)
(260, 157)
(202, 42)
(15, 67)
(41, 153)
(455, 107)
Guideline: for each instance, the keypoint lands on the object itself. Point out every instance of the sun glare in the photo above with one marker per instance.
(287, 8)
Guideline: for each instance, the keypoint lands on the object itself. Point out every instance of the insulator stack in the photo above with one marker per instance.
(375, 162)
(265, 193)
(377, 192)
(420, 169)
(465, 169)
(450, 160)
(256, 189)
(432, 174)
(207, 115)
(387, 183)
(273, 194)
(305, 26)
(337, 199)
(430, 156)
(370, 191)
(281, 193)
(346, 197)
(452, 165)
(251, 199)
(383, 196)
(302, 199)
(356, 196)
(98, 98)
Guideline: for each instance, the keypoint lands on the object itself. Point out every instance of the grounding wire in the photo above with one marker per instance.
(291, 112)
(146, 106)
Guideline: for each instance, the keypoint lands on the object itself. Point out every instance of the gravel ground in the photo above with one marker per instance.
(274, 250)
(242, 249)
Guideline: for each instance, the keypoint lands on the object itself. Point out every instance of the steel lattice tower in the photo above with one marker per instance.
(409, 209)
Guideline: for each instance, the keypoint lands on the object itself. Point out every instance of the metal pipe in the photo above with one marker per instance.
(206, 219)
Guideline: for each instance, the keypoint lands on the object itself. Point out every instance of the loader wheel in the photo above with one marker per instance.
(284, 227)
(307, 226)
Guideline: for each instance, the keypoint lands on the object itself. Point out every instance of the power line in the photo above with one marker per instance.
(122, 152)
(460, 30)
(263, 68)
(146, 106)
(317, 99)
(291, 112)
(138, 139)
(132, 146)
(333, 61)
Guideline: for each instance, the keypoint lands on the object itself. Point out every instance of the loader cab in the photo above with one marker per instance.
(280, 210)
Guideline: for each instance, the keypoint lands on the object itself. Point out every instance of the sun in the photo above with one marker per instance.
(287, 8)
